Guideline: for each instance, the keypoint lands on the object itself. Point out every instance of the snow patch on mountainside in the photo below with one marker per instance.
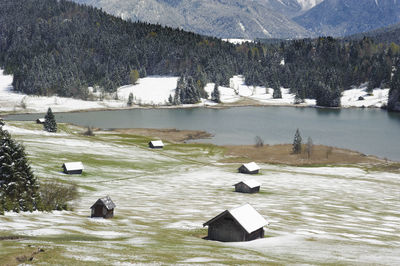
(358, 97)
(308, 4)
(237, 41)
(150, 90)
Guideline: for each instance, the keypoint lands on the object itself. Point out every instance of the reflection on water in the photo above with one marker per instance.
(371, 131)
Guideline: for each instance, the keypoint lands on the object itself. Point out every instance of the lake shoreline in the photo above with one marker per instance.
(190, 106)
(270, 154)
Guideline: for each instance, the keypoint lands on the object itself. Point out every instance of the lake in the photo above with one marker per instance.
(370, 131)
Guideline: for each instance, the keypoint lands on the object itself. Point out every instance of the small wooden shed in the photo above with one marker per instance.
(239, 224)
(73, 168)
(247, 186)
(103, 207)
(156, 144)
(40, 121)
(249, 168)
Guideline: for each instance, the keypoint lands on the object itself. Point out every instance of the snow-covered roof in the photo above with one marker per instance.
(251, 166)
(248, 218)
(250, 183)
(157, 143)
(73, 166)
(108, 203)
(41, 120)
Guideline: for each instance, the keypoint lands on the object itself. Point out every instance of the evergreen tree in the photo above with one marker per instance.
(277, 94)
(188, 92)
(394, 93)
(50, 123)
(297, 142)
(215, 95)
(18, 186)
(130, 99)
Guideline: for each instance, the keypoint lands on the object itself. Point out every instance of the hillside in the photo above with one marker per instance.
(59, 47)
(163, 197)
(385, 35)
(346, 17)
(62, 48)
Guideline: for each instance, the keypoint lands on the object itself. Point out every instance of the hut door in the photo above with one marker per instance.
(98, 211)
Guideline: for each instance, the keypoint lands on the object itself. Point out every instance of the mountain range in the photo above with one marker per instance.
(250, 19)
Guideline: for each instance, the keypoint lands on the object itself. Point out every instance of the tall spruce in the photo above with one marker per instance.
(50, 123)
(394, 93)
(277, 94)
(215, 95)
(297, 142)
(130, 99)
(18, 185)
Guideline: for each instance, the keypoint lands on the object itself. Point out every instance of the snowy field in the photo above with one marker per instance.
(325, 215)
(155, 91)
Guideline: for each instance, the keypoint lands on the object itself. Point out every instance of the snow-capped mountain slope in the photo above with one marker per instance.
(344, 17)
(220, 18)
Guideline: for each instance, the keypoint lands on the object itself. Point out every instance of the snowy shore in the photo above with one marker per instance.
(154, 91)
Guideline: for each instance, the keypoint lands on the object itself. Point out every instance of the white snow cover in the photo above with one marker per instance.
(157, 143)
(250, 183)
(150, 90)
(237, 41)
(350, 98)
(251, 166)
(12, 101)
(72, 166)
(248, 218)
(155, 90)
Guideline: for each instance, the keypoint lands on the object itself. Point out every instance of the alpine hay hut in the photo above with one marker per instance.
(239, 224)
(73, 168)
(40, 121)
(156, 144)
(249, 168)
(247, 186)
(103, 207)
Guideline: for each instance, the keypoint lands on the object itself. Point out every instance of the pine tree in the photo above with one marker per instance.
(18, 186)
(297, 142)
(50, 123)
(277, 94)
(130, 99)
(394, 93)
(215, 95)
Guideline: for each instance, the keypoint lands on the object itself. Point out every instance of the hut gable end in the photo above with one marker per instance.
(239, 224)
(247, 186)
(103, 207)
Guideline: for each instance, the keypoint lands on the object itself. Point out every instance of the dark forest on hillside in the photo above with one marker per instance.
(59, 47)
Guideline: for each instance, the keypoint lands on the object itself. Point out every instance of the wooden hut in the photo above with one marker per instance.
(103, 207)
(156, 144)
(73, 168)
(249, 168)
(247, 186)
(240, 224)
(40, 121)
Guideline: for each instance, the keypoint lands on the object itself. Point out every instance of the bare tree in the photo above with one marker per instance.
(259, 142)
(309, 147)
(328, 152)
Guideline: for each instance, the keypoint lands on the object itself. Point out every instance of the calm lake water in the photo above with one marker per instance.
(371, 131)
